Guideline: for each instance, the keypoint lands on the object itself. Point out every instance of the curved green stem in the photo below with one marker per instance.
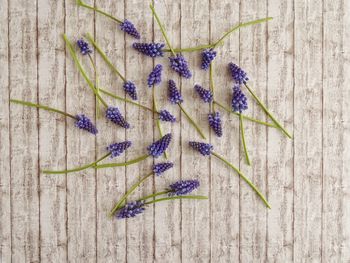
(96, 85)
(104, 56)
(157, 120)
(198, 197)
(109, 165)
(192, 122)
(82, 71)
(244, 116)
(240, 26)
(267, 112)
(211, 81)
(162, 29)
(244, 178)
(26, 103)
(130, 191)
(154, 195)
(243, 139)
(78, 168)
(189, 49)
(82, 4)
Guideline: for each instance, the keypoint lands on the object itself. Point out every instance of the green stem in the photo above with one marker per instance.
(105, 58)
(240, 26)
(267, 112)
(109, 165)
(154, 195)
(243, 139)
(189, 49)
(244, 116)
(78, 168)
(198, 197)
(81, 3)
(162, 29)
(82, 71)
(211, 81)
(192, 122)
(26, 103)
(130, 191)
(157, 121)
(244, 178)
(96, 85)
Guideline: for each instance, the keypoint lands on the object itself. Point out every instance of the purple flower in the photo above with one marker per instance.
(150, 49)
(183, 187)
(129, 28)
(118, 148)
(160, 168)
(113, 114)
(203, 148)
(215, 123)
(239, 100)
(84, 47)
(208, 56)
(173, 93)
(206, 95)
(180, 65)
(157, 148)
(165, 115)
(131, 209)
(130, 89)
(155, 77)
(238, 74)
(84, 123)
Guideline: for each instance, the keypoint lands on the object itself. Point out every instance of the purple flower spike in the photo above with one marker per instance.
(129, 28)
(155, 77)
(239, 100)
(160, 168)
(165, 115)
(84, 123)
(130, 89)
(206, 95)
(84, 47)
(183, 187)
(118, 148)
(238, 74)
(208, 56)
(157, 148)
(113, 114)
(215, 123)
(203, 148)
(180, 65)
(173, 93)
(131, 209)
(149, 49)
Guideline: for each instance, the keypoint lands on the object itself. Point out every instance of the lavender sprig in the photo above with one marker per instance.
(155, 77)
(113, 114)
(206, 95)
(215, 123)
(183, 187)
(150, 49)
(208, 55)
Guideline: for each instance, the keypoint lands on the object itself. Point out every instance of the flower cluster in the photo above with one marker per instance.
(155, 77)
(84, 47)
(173, 93)
(165, 115)
(129, 28)
(131, 209)
(239, 100)
(149, 49)
(157, 148)
(118, 148)
(206, 95)
(113, 114)
(203, 148)
(238, 74)
(183, 187)
(160, 168)
(180, 65)
(84, 123)
(208, 56)
(130, 89)
(215, 123)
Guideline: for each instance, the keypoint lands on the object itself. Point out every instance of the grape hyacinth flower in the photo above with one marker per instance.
(118, 148)
(165, 115)
(239, 100)
(175, 96)
(204, 148)
(238, 74)
(155, 77)
(113, 114)
(129, 28)
(183, 187)
(206, 95)
(208, 56)
(215, 123)
(84, 123)
(84, 47)
(179, 64)
(149, 49)
(130, 89)
(157, 148)
(160, 168)
(131, 209)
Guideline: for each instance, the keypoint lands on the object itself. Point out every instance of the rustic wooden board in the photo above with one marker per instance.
(299, 66)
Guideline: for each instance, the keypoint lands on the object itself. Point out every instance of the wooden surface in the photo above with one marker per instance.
(298, 63)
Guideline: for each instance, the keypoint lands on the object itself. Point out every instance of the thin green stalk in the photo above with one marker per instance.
(104, 56)
(130, 191)
(96, 85)
(154, 195)
(240, 26)
(198, 197)
(192, 122)
(244, 178)
(162, 29)
(26, 103)
(81, 69)
(211, 81)
(109, 165)
(189, 49)
(267, 112)
(157, 120)
(244, 116)
(82, 4)
(243, 139)
(78, 168)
